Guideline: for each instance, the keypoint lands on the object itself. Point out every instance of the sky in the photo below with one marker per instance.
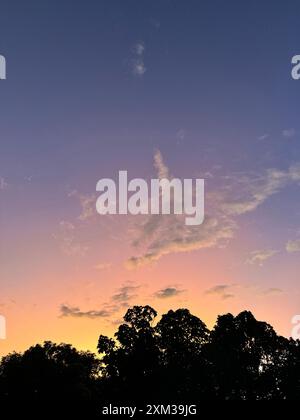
(194, 89)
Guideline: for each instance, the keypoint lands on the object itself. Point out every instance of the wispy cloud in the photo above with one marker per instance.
(168, 292)
(138, 48)
(272, 291)
(87, 204)
(68, 242)
(264, 137)
(155, 236)
(117, 302)
(136, 62)
(103, 266)
(228, 296)
(138, 67)
(222, 290)
(293, 246)
(165, 234)
(260, 256)
(181, 134)
(75, 312)
(173, 236)
(124, 295)
(155, 23)
(253, 191)
(289, 133)
(3, 184)
(239, 194)
(161, 168)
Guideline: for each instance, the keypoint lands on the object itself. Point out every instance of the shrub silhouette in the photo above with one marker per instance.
(174, 360)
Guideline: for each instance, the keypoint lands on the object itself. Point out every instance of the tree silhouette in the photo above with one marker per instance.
(289, 382)
(133, 363)
(174, 360)
(243, 352)
(48, 372)
(182, 340)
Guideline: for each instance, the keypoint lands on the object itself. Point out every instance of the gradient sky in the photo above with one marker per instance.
(201, 88)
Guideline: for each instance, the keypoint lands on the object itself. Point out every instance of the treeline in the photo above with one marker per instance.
(177, 360)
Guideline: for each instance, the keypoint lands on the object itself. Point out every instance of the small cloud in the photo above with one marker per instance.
(138, 67)
(136, 62)
(3, 184)
(260, 256)
(293, 246)
(124, 295)
(208, 175)
(87, 203)
(263, 137)
(227, 296)
(289, 133)
(168, 292)
(272, 291)
(139, 48)
(75, 312)
(181, 134)
(221, 290)
(155, 23)
(102, 266)
(159, 165)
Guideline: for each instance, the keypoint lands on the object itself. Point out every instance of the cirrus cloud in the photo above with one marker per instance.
(293, 246)
(260, 256)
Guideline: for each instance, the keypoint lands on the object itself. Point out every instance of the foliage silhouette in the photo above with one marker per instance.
(48, 372)
(174, 360)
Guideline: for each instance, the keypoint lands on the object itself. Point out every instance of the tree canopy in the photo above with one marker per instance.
(173, 359)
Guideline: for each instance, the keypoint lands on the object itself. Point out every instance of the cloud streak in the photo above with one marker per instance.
(253, 191)
(120, 300)
(222, 290)
(75, 312)
(259, 257)
(217, 290)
